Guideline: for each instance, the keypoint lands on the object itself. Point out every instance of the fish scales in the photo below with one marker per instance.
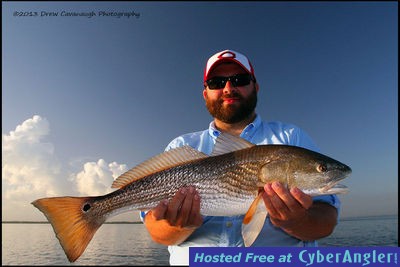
(224, 181)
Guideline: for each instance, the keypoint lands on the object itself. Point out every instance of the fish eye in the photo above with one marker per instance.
(322, 168)
(86, 207)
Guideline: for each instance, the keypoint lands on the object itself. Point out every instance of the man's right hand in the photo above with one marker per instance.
(170, 223)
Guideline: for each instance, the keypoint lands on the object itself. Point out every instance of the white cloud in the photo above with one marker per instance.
(96, 177)
(31, 170)
(29, 165)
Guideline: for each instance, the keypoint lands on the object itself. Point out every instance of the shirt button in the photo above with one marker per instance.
(229, 224)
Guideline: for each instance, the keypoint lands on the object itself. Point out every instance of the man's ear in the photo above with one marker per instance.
(205, 94)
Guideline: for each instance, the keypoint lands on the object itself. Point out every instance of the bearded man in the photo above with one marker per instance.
(294, 218)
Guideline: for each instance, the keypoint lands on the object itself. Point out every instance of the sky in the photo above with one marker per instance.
(85, 98)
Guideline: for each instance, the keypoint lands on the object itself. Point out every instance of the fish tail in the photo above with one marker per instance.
(72, 222)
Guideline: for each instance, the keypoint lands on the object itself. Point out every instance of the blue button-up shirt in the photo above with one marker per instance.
(221, 231)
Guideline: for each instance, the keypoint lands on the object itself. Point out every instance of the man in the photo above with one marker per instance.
(295, 219)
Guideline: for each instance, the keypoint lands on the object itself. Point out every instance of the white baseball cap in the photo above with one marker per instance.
(228, 56)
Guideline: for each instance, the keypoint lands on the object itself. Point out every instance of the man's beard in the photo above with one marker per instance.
(231, 113)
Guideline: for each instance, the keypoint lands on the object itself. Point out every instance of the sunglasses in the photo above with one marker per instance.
(219, 82)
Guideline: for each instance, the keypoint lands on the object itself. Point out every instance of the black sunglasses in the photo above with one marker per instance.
(219, 82)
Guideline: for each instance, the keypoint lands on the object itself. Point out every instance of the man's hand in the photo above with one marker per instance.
(285, 206)
(183, 210)
(172, 222)
(294, 212)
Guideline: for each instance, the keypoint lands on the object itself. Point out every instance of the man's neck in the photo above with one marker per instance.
(234, 128)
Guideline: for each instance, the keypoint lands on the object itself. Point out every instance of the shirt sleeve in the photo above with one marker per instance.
(302, 139)
(142, 214)
(330, 199)
(177, 142)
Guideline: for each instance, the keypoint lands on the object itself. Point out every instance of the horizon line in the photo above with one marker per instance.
(136, 222)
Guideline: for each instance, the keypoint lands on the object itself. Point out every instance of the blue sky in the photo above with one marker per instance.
(84, 99)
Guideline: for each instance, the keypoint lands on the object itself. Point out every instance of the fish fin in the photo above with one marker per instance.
(226, 143)
(160, 162)
(254, 221)
(73, 228)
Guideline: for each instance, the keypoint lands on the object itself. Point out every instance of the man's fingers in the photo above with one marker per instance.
(305, 200)
(175, 204)
(287, 203)
(159, 211)
(184, 211)
(195, 218)
(267, 195)
(277, 208)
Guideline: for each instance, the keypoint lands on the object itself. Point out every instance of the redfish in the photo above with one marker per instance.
(229, 181)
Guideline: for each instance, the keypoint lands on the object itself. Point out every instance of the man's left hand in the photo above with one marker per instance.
(285, 207)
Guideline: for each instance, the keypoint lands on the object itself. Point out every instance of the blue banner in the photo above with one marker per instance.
(294, 256)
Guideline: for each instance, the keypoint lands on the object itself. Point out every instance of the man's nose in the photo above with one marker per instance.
(228, 88)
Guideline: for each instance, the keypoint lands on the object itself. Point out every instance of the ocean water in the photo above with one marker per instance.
(379, 231)
(130, 244)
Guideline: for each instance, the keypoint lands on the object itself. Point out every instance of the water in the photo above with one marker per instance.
(130, 244)
(364, 232)
(113, 244)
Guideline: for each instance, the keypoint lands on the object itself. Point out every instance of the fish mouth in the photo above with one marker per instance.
(334, 187)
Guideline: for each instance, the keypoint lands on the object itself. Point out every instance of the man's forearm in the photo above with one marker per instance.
(163, 233)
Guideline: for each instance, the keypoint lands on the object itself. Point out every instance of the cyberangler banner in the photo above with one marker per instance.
(294, 256)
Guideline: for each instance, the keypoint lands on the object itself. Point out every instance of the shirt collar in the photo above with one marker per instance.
(247, 132)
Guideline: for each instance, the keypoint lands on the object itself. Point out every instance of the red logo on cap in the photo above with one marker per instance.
(226, 54)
